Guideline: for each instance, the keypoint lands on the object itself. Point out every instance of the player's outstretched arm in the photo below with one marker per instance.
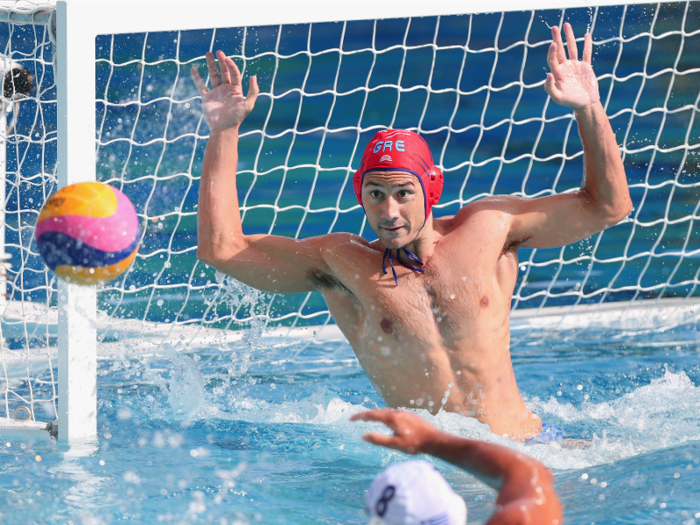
(603, 199)
(266, 262)
(526, 494)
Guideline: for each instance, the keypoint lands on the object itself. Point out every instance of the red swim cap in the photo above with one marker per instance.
(401, 150)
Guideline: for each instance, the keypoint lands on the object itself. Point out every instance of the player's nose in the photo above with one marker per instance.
(390, 210)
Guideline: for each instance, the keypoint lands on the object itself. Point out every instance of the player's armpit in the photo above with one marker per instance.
(273, 263)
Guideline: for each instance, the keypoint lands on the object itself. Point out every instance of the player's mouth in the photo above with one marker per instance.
(392, 230)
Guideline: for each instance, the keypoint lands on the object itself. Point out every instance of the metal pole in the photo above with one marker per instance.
(77, 305)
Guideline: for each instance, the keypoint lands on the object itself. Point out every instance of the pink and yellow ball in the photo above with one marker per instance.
(88, 233)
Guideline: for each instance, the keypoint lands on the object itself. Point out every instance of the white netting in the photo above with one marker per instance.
(471, 85)
(28, 339)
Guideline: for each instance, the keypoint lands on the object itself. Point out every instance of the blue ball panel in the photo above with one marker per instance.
(58, 248)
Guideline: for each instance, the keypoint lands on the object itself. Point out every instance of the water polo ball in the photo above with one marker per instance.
(88, 233)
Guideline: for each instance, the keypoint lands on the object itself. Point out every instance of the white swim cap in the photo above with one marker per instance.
(413, 493)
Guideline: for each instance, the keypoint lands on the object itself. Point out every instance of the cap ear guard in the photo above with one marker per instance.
(434, 189)
(357, 184)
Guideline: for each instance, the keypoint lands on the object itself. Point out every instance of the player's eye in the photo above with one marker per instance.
(375, 194)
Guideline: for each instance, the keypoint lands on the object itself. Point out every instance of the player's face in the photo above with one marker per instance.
(394, 205)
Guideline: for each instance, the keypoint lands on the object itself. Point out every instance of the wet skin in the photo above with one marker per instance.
(438, 340)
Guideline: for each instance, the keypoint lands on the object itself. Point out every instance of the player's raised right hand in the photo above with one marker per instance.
(572, 82)
(224, 105)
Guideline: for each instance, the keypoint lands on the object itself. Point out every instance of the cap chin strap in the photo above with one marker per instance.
(411, 257)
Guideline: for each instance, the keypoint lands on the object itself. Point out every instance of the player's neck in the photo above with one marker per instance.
(423, 246)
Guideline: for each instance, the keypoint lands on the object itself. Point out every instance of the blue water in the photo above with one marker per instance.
(258, 432)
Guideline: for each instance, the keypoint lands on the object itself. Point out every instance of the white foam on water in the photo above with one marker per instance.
(315, 410)
(662, 414)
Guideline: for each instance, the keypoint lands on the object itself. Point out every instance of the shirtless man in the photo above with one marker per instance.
(429, 324)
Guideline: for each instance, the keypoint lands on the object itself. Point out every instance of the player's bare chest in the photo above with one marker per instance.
(455, 289)
(432, 303)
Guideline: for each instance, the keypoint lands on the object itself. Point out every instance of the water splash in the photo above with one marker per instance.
(187, 389)
(662, 414)
(238, 297)
(183, 384)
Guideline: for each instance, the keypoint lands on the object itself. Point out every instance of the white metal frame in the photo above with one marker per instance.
(78, 23)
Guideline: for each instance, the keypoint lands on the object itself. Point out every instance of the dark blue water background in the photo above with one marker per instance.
(471, 85)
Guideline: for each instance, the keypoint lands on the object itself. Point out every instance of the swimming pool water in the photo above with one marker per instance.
(258, 432)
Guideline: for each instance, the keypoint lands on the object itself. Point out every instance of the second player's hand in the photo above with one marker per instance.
(572, 82)
(224, 105)
(411, 433)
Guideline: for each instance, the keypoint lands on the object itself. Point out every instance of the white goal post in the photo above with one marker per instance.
(80, 23)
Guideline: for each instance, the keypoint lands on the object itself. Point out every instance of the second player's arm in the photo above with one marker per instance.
(266, 262)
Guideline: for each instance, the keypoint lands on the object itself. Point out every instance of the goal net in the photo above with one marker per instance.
(471, 85)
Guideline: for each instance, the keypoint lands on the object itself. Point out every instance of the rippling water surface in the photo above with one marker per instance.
(259, 432)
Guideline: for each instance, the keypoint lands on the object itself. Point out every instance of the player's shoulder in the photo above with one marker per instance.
(339, 242)
(493, 207)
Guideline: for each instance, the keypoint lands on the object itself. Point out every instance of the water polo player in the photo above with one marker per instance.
(414, 493)
(425, 306)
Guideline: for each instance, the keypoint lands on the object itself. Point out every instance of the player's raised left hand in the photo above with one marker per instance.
(572, 82)
(224, 105)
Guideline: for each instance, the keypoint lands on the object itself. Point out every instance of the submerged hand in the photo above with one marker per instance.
(224, 106)
(572, 82)
(411, 433)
